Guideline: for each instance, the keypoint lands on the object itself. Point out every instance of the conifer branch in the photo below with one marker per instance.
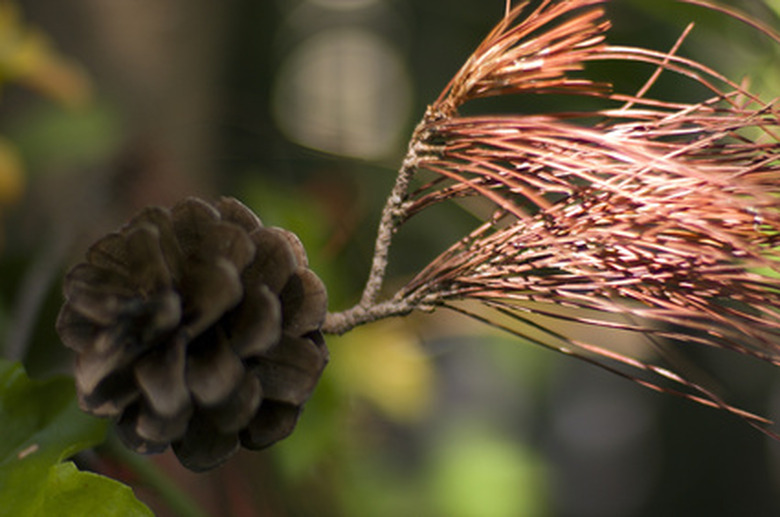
(643, 217)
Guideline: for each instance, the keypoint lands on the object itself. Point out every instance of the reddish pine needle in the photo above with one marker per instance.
(646, 217)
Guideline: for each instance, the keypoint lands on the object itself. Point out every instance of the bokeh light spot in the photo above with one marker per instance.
(344, 91)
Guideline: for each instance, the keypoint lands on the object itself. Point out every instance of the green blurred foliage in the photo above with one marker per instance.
(54, 140)
(41, 425)
(478, 474)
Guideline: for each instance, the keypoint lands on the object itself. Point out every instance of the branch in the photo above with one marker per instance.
(393, 214)
(644, 217)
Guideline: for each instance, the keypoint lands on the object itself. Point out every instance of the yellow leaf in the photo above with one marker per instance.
(11, 174)
(27, 56)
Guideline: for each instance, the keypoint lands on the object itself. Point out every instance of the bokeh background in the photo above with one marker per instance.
(302, 109)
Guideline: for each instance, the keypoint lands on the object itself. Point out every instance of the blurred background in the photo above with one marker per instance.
(302, 109)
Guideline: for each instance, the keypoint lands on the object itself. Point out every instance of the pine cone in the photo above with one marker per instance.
(196, 327)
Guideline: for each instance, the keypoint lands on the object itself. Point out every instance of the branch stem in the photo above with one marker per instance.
(393, 213)
(341, 322)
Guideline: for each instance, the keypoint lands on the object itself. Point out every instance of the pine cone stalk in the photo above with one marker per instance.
(196, 327)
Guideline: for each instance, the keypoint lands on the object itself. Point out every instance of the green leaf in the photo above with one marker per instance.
(41, 425)
(85, 493)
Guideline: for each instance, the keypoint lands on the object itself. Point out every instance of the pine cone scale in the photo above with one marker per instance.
(237, 409)
(304, 302)
(154, 428)
(235, 212)
(208, 291)
(192, 220)
(231, 242)
(274, 260)
(146, 260)
(77, 332)
(110, 253)
(290, 370)
(93, 369)
(126, 430)
(99, 294)
(273, 422)
(256, 325)
(213, 370)
(110, 396)
(203, 443)
(160, 219)
(161, 377)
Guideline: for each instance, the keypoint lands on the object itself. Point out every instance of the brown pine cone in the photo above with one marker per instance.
(196, 327)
